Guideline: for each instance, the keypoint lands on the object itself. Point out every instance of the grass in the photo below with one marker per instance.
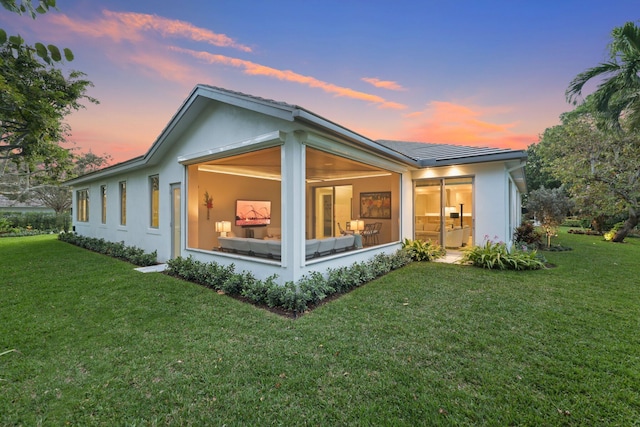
(97, 343)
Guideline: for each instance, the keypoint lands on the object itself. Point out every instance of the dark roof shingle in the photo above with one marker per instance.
(435, 154)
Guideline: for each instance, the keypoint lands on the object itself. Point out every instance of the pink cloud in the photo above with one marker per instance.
(383, 84)
(159, 64)
(450, 123)
(130, 26)
(252, 68)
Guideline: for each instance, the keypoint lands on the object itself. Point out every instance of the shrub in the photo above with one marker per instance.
(293, 297)
(526, 234)
(44, 222)
(5, 225)
(496, 255)
(419, 250)
(131, 254)
(576, 222)
(315, 287)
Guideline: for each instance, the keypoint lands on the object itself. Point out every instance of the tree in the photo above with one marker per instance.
(49, 53)
(50, 192)
(550, 207)
(34, 100)
(619, 93)
(536, 173)
(600, 168)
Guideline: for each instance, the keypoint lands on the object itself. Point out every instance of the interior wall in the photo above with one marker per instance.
(390, 227)
(225, 190)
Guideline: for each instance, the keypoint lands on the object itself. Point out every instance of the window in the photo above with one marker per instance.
(154, 186)
(254, 175)
(123, 202)
(341, 191)
(103, 199)
(82, 199)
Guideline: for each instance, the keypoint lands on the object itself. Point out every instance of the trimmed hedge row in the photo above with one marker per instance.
(292, 297)
(36, 221)
(132, 254)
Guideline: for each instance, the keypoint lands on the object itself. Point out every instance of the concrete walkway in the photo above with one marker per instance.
(158, 268)
(451, 257)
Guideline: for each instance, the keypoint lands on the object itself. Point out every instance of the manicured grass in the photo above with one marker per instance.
(430, 344)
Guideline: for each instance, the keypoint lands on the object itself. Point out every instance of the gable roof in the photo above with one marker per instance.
(427, 154)
(412, 154)
(6, 202)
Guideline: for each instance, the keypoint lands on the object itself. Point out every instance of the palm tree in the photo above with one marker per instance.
(619, 92)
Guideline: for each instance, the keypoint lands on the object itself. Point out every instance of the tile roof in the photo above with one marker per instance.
(435, 154)
(6, 202)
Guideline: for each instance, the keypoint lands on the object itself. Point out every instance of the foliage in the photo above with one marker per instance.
(612, 162)
(5, 225)
(598, 168)
(585, 231)
(536, 173)
(550, 208)
(423, 251)
(496, 255)
(618, 94)
(119, 250)
(526, 234)
(18, 182)
(296, 298)
(49, 53)
(34, 100)
(43, 222)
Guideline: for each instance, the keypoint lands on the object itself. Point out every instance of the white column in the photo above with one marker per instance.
(293, 207)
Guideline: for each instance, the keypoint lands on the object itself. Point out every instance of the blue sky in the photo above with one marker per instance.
(482, 73)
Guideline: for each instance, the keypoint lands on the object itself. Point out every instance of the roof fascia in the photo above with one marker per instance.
(496, 157)
(116, 169)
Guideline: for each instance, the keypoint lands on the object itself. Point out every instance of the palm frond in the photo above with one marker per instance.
(575, 87)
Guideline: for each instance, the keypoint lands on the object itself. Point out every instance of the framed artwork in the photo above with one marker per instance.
(375, 205)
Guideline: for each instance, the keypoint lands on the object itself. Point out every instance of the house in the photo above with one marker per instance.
(15, 206)
(277, 190)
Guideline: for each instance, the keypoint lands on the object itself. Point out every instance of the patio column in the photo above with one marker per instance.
(293, 207)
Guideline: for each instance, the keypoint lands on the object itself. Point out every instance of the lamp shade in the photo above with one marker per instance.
(223, 227)
(356, 225)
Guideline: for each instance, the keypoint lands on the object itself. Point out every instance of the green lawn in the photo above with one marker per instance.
(97, 343)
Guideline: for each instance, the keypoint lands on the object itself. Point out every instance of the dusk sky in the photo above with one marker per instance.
(480, 73)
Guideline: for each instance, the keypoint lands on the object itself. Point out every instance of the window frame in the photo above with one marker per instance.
(103, 202)
(154, 201)
(82, 205)
(122, 187)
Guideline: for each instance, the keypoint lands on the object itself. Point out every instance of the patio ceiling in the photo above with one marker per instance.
(265, 164)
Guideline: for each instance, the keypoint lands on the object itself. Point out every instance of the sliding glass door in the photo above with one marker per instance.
(444, 211)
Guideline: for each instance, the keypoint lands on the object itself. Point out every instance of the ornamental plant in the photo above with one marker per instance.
(119, 250)
(496, 255)
(419, 250)
(292, 297)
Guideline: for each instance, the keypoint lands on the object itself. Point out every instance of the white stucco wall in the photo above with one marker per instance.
(490, 197)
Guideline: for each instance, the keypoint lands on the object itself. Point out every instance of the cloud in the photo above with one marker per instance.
(130, 26)
(150, 54)
(252, 68)
(383, 84)
(450, 123)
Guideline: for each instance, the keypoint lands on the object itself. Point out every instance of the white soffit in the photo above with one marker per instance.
(266, 140)
(350, 152)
